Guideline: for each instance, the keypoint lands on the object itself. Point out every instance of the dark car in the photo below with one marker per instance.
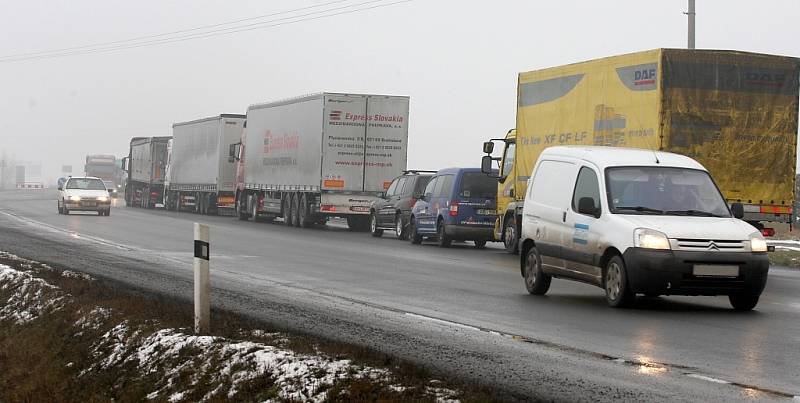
(457, 205)
(393, 210)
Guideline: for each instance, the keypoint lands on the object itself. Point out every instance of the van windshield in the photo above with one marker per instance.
(476, 185)
(664, 191)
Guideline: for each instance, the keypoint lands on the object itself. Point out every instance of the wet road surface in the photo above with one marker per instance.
(460, 310)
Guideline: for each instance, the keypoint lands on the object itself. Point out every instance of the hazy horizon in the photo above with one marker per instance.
(458, 62)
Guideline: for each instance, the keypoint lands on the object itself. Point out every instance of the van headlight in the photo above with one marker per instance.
(757, 242)
(75, 198)
(650, 239)
(102, 198)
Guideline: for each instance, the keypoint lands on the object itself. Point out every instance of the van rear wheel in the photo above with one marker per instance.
(615, 282)
(441, 232)
(536, 281)
(741, 302)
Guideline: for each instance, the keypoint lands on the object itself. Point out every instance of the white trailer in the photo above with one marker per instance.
(145, 166)
(200, 176)
(318, 156)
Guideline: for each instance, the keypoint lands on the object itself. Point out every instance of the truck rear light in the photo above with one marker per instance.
(768, 232)
(330, 208)
(453, 208)
(775, 209)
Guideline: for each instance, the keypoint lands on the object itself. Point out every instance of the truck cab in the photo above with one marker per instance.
(510, 190)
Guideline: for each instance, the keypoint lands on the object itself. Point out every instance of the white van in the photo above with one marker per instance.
(636, 221)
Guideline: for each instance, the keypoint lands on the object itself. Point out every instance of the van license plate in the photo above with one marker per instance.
(715, 270)
(485, 212)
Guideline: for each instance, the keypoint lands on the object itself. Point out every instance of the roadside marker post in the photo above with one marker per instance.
(202, 288)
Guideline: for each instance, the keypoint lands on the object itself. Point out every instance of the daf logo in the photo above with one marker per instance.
(712, 246)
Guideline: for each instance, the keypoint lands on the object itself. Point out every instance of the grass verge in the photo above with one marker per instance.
(67, 337)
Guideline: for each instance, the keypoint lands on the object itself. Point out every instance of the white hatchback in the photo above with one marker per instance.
(84, 194)
(636, 221)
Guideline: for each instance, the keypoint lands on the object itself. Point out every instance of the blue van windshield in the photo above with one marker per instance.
(477, 185)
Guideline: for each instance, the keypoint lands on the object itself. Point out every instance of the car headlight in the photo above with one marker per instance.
(75, 198)
(102, 198)
(757, 242)
(650, 239)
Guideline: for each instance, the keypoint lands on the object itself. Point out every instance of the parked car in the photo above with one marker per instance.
(634, 222)
(84, 193)
(393, 210)
(458, 204)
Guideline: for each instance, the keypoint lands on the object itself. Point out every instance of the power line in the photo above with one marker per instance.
(138, 38)
(225, 31)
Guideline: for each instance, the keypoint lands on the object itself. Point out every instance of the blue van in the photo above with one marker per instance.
(458, 205)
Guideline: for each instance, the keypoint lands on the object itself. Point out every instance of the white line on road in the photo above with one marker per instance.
(708, 378)
(442, 321)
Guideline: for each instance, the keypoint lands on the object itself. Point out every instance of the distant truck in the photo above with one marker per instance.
(104, 167)
(734, 112)
(200, 176)
(146, 167)
(319, 156)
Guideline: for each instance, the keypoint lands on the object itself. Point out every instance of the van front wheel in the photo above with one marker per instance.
(615, 282)
(536, 281)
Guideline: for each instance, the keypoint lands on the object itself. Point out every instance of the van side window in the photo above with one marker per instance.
(550, 184)
(429, 188)
(586, 186)
(444, 186)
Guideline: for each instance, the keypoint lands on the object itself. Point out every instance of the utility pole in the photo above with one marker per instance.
(691, 15)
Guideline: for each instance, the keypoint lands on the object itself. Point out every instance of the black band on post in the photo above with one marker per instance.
(201, 249)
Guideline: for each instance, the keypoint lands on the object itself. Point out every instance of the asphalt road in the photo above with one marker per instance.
(460, 311)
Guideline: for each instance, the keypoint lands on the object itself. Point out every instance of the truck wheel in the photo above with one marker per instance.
(441, 231)
(615, 282)
(303, 214)
(357, 223)
(510, 236)
(741, 302)
(296, 210)
(254, 208)
(536, 282)
(241, 207)
(399, 228)
(373, 226)
(413, 235)
(287, 211)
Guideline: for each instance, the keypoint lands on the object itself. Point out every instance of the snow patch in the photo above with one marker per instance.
(30, 297)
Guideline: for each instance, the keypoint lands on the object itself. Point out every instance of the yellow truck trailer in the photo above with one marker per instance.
(734, 112)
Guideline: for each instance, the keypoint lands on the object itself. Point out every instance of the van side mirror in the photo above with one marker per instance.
(737, 209)
(60, 187)
(488, 147)
(486, 164)
(586, 206)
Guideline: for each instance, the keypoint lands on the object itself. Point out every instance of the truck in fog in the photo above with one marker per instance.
(327, 155)
(104, 167)
(145, 166)
(200, 175)
(734, 112)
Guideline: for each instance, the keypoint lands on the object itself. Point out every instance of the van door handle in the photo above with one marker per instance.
(564, 217)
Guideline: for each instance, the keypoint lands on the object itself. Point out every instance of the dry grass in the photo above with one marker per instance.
(42, 360)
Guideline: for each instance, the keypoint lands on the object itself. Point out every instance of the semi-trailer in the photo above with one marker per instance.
(145, 166)
(734, 112)
(318, 156)
(200, 175)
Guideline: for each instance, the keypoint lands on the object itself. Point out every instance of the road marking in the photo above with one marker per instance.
(708, 378)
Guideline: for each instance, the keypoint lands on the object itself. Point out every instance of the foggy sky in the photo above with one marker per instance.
(458, 60)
